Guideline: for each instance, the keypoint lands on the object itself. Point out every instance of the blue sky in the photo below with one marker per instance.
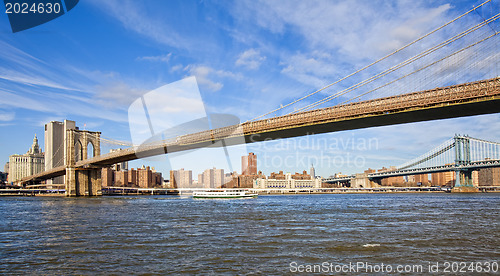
(248, 57)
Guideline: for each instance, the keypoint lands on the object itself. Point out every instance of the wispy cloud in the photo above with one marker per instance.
(31, 83)
(202, 76)
(13, 99)
(7, 116)
(20, 67)
(251, 59)
(205, 75)
(160, 58)
(313, 69)
(131, 15)
(339, 36)
(58, 104)
(353, 27)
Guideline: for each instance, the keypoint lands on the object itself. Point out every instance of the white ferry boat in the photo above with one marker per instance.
(229, 193)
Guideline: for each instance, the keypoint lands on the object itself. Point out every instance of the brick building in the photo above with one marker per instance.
(144, 177)
(396, 181)
(443, 178)
(489, 177)
(243, 181)
(249, 164)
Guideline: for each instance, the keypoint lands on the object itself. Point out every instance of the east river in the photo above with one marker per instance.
(269, 235)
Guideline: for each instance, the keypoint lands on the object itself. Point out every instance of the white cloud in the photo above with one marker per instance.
(314, 69)
(251, 58)
(14, 100)
(25, 69)
(353, 32)
(205, 75)
(176, 68)
(356, 28)
(160, 58)
(29, 79)
(117, 94)
(202, 76)
(32, 84)
(59, 104)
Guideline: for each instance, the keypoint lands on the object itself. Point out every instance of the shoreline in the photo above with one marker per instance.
(260, 193)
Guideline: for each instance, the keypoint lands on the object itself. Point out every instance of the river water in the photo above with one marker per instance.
(269, 235)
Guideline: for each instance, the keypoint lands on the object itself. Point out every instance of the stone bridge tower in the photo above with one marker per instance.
(82, 180)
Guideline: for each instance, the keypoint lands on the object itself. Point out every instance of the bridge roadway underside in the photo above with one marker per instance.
(425, 114)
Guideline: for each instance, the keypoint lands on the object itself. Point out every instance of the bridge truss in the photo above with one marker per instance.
(462, 154)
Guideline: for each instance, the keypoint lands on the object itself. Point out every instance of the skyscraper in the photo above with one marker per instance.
(218, 177)
(208, 178)
(249, 164)
(181, 178)
(55, 150)
(212, 178)
(312, 172)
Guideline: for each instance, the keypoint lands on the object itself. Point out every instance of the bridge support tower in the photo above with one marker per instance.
(463, 182)
(463, 177)
(82, 181)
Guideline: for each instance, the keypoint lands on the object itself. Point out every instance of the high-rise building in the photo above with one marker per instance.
(132, 176)
(233, 180)
(219, 178)
(212, 178)
(55, 150)
(421, 179)
(6, 167)
(443, 178)
(489, 177)
(108, 177)
(475, 178)
(229, 177)
(312, 171)
(143, 178)
(181, 178)
(393, 180)
(249, 164)
(200, 180)
(30, 163)
(121, 178)
(417, 180)
(208, 179)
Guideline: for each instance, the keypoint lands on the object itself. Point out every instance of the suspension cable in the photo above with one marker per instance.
(400, 65)
(420, 69)
(371, 64)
